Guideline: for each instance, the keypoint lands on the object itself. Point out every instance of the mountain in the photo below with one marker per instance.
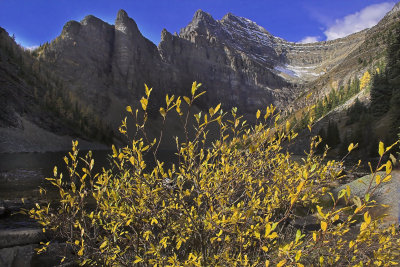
(104, 67)
(240, 63)
(34, 116)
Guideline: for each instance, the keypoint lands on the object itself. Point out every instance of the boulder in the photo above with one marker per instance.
(20, 237)
(386, 193)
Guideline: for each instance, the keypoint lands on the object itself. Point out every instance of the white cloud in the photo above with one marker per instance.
(33, 47)
(366, 18)
(309, 39)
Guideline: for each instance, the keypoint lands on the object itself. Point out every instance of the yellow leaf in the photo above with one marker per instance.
(324, 225)
(298, 255)
(138, 259)
(80, 252)
(217, 108)
(390, 147)
(162, 112)
(73, 187)
(76, 242)
(300, 186)
(187, 99)
(319, 209)
(194, 88)
(264, 248)
(378, 179)
(293, 199)
(314, 236)
(200, 94)
(132, 160)
(388, 167)
(266, 263)
(273, 235)
(287, 126)
(115, 153)
(367, 218)
(350, 148)
(281, 263)
(129, 109)
(335, 218)
(144, 102)
(178, 245)
(268, 229)
(258, 114)
(103, 245)
(148, 91)
(381, 148)
(211, 111)
(387, 179)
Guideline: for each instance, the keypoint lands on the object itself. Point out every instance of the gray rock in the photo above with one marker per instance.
(386, 193)
(2, 210)
(18, 256)
(53, 256)
(20, 236)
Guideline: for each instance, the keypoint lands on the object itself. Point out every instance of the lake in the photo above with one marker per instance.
(21, 174)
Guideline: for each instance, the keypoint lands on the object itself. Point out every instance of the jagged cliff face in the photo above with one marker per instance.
(103, 63)
(239, 62)
(297, 63)
(205, 51)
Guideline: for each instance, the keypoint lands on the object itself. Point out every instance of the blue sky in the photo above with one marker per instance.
(36, 21)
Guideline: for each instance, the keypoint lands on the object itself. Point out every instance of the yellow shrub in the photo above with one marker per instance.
(230, 204)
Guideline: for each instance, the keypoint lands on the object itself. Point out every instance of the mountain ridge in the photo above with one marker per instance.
(239, 63)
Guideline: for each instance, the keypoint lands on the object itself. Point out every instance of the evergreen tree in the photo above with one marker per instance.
(355, 112)
(319, 110)
(393, 75)
(332, 135)
(381, 93)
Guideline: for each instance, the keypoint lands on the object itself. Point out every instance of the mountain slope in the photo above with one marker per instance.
(239, 63)
(27, 123)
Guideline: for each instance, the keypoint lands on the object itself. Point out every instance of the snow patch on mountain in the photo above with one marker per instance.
(298, 71)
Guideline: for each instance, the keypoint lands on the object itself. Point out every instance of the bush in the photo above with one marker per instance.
(234, 203)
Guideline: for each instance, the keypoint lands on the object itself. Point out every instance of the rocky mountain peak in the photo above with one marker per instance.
(395, 9)
(125, 24)
(70, 28)
(165, 35)
(92, 20)
(201, 24)
(201, 15)
(233, 21)
(121, 15)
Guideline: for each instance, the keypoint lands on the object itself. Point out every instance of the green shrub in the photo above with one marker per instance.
(234, 203)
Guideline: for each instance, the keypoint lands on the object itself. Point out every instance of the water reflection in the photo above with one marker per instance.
(21, 174)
